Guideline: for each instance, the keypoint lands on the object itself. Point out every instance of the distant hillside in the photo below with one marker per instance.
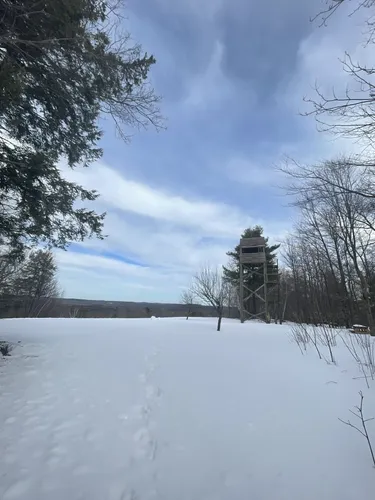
(119, 309)
(11, 307)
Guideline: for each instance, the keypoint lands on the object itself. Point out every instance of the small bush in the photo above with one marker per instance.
(362, 348)
(300, 336)
(5, 348)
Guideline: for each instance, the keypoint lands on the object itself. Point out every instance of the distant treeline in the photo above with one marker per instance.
(18, 307)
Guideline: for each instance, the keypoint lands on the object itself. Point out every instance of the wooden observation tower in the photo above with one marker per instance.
(265, 278)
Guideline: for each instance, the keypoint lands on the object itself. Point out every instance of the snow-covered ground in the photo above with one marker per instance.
(172, 410)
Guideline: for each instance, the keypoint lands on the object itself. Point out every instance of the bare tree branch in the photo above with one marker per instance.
(363, 430)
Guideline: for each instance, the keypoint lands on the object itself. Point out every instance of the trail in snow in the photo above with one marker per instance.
(143, 410)
(78, 417)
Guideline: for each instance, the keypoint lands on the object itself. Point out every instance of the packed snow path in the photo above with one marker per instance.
(172, 410)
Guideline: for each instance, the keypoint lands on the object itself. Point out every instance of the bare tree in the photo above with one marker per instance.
(363, 429)
(210, 287)
(187, 298)
(331, 256)
(350, 112)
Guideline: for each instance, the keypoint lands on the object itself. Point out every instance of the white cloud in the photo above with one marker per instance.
(98, 283)
(210, 87)
(254, 175)
(117, 192)
(170, 235)
(320, 63)
(202, 10)
(86, 261)
(88, 276)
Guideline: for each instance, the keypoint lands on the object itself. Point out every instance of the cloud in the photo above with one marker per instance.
(160, 245)
(319, 64)
(255, 175)
(233, 75)
(206, 10)
(99, 280)
(167, 236)
(118, 192)
(320, 56)
(86, 261)
(211, 86)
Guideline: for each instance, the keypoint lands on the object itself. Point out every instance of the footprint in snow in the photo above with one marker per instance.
(146, 445)
(153, 392)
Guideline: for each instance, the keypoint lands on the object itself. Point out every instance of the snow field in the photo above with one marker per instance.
(172, 410)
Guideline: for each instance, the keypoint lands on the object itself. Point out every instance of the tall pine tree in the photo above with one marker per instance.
(34, 282)
(62, 64)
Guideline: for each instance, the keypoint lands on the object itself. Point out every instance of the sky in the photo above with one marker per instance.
(232, 75)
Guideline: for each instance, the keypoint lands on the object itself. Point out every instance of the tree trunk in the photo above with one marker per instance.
(366, 295)
(347, 308)
(285, 304)
(219, 321)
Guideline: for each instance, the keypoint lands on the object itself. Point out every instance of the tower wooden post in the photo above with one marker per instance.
(242, 317)
(253, 261)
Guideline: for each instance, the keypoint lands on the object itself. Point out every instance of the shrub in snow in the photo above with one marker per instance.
(5, 348)
(302, 335)
(362, 348)
(326, 335)
(319, 335)
(362, 429)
